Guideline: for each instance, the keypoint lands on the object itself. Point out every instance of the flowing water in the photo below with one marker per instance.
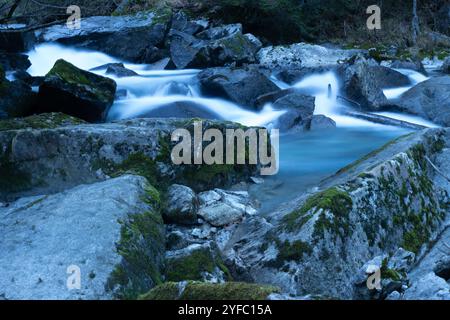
(305, 158)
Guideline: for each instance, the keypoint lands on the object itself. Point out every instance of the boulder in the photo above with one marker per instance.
(320, 122)
(299, 110)
(16, 97)
(138, 38)
(200, 262)
(429, 99)
(357, 214)
(109, 231)
(300, 55)
(241, 86)
(213, 47)
(75, 92)
(182, 205)
(68, 155)
(220, 208)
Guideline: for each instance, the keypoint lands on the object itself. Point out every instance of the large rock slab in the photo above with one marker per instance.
(75, 92)
(109, 230)
(16, 97)
(429, 99)
(66, 156)
(300, 55)
(389, 199)
(136, 38)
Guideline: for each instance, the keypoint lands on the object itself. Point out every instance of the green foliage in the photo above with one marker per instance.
(192, 266)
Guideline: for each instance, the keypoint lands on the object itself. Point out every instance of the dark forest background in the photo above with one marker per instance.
(275, 21)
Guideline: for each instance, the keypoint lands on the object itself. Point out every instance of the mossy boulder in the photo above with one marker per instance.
(390, 199)
(39, 121)
(209, 291)
(75, 92)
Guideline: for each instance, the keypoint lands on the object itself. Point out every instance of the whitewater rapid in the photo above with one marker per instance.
(153, 89)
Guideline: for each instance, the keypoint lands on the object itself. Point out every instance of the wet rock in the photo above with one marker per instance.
(65, 156)
(221, 208)
(83, 227)
(446, 66)
(181, 22)
(362, 84)
(181, 109)
(299, 110)
(358, 211)
(241, 86)
(119, 36)
(14, 61)
(75, 92)
(302, 55)
(182, 205)
(409, 64)
(429, 99)
(15, 39)
(119, 70)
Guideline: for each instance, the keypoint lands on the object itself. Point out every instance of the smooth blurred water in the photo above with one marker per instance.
(308, 158)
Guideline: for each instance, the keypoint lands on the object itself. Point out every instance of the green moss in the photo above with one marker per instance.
(192, 266)
(40, 121)
(141, 246)
(68, 72)
(333, 199)
(387, 273)
(211, 291)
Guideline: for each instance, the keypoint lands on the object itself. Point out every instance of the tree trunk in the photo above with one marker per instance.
(415, 23)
